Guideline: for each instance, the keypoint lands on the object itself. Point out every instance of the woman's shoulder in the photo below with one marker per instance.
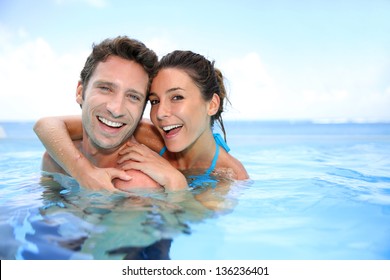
(227, 161)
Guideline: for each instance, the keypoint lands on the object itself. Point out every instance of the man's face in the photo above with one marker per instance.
(113, 102)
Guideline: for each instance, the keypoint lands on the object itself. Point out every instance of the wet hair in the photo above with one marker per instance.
(123, 47)
(202, 71)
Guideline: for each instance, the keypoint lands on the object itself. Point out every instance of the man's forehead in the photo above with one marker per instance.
(120, 72)
(126, 66)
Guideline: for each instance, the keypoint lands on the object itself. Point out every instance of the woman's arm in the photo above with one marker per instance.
(147, 134)
(56, 134)
(140, 157)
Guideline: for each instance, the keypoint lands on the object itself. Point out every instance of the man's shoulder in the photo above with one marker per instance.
(139, 181)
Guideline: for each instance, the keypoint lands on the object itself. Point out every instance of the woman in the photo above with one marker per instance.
(187, 96)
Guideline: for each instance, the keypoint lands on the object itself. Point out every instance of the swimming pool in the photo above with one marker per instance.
(317, 191)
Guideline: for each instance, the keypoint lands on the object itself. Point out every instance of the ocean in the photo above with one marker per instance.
(317, 191)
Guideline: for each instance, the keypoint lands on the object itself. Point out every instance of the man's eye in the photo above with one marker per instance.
(134, 97)
(104, 88)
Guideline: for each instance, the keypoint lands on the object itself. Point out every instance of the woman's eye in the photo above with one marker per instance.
(153, 102)
(177, 97)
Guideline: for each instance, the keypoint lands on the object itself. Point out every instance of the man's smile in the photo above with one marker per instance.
(110, 123)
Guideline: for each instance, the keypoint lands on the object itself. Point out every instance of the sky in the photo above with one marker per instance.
(326, 61)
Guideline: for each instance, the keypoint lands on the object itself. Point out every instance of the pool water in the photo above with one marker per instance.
(317, 191)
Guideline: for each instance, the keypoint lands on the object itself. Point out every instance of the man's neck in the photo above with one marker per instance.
(101, 157)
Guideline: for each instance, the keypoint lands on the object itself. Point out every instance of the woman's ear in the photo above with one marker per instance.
(79, 93)
(214, 105)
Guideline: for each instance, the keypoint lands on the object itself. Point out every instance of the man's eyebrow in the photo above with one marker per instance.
(113, 85)
(105, 83)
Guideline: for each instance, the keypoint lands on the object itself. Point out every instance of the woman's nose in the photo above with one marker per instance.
(163, 110)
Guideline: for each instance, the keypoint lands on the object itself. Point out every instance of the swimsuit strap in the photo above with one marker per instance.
(163, 150)
(214, 161)
(219, 143)
(219, 140)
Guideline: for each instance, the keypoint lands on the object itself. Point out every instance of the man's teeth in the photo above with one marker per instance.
(110, 123)
(170, 127)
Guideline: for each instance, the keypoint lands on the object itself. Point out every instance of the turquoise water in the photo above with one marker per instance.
(317, 191)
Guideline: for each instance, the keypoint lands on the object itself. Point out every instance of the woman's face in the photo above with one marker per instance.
(178, 110)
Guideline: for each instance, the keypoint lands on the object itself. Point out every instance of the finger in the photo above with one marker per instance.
(124, 158)
(126, 150)
(131, 157)
(130, 147)
(115, 173)
(131, 165)
(111, 187)
(140, 148)
(128, 156)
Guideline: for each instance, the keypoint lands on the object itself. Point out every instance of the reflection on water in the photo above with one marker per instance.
(75, 223)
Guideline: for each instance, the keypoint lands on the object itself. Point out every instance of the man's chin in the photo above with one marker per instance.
(108, 146)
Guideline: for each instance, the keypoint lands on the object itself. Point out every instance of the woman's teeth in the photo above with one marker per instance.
(110, 123)
(170, 127)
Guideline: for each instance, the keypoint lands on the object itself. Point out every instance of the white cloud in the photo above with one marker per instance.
(255, 94)
(5, 36)
(161, 45)
(252, 91)
(36, 81)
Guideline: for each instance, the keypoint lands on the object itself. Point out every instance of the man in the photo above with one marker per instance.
(112, 93)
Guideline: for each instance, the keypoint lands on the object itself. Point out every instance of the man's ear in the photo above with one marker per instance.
(79, 93)
(214, 105)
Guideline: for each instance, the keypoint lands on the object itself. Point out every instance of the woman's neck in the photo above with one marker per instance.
(198, 155)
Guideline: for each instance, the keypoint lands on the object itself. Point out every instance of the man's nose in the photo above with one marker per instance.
(115, 105)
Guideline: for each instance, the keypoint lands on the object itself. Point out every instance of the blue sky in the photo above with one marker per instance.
(291, 60)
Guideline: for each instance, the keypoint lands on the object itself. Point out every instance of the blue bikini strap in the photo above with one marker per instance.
(217, 137)
(163, 150)
(220, 143)
(214, 161)
(219, 140)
